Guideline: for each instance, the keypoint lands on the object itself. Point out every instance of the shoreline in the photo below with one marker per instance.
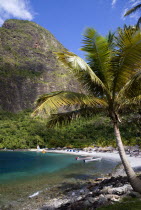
(134, 161)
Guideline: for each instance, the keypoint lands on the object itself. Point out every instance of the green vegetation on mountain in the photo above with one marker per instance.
(21, 131)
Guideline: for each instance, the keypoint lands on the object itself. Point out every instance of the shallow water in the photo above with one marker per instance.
(24, 173)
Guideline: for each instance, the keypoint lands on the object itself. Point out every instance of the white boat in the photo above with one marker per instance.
(83, 158)
(90, 160)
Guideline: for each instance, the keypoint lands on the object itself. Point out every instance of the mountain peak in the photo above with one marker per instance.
(28, 65)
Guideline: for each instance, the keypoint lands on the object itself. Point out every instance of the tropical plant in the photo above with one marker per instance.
(111, 78)
(132, 10)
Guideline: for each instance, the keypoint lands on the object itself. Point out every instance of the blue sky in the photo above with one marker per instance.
(67, 19)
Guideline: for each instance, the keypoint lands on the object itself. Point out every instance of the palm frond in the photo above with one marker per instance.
(83, 72)
(131, 103)
(65, 118)
(44, 97)
(111, 40)
(50, 103)
(127, 60)
(98, 55)
(131, 92)
(132, 10)
(138, 23)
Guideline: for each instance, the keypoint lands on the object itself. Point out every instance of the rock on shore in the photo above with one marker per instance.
(100, 192)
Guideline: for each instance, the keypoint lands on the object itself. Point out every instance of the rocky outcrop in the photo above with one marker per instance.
(28, 66)
(90, 194)
(102, 192)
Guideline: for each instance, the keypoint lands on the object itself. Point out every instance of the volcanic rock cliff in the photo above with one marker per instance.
(28, 66)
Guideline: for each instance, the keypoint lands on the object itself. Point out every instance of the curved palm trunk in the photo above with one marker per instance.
(133, 179)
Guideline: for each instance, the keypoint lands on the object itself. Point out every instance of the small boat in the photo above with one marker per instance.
(90, 160)
(9, 150)
(83, 158)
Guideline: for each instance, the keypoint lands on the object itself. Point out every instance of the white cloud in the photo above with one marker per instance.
(113, 2)
(135, 2)
(15, 9)
(1, 21)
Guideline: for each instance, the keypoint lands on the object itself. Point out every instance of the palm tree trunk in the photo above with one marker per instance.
(133, 179)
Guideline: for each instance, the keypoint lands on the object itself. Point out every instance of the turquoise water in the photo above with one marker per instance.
(25, 165)
(24, 173)
(17, 165)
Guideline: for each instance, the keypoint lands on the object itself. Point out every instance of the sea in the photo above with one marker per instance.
(24, 174)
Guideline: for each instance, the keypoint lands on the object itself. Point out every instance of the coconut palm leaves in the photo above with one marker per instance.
(65, 118)
(132, 10)
(83, 72)
(130, 94)
(50, 103)
(98, 55)
(127, 60)
(111, 77)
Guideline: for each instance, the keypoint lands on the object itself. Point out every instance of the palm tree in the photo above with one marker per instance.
(132, 10)
(111, 79)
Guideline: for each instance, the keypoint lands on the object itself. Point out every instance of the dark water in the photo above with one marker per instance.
(23, 173)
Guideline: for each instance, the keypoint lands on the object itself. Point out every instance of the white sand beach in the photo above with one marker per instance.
(134, 161)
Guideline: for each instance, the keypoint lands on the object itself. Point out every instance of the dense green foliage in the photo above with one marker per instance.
(21, 131)
(132, 204)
